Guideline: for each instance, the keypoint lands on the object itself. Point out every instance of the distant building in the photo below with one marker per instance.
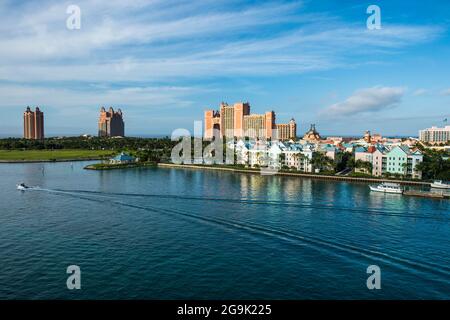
(111, 123)
(367, 137)
(435, 135)
(287, 131)
(33, 124)
(377, 138)
(312, 135)
(122, 158)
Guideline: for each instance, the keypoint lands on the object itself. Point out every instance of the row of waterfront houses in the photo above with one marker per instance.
(384, 159)
(390, 160)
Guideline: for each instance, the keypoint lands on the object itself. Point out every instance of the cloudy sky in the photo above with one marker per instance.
(164, 62)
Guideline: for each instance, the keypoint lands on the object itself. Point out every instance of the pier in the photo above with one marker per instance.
(427, 194)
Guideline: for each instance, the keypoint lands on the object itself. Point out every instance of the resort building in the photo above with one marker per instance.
(287, 131)
(110, 123)
(33, 124)
(435, 135)
(312, 135)
(237, 121)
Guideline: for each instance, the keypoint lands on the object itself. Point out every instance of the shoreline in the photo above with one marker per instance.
(52, 160)
(101, 167)
(295, 174)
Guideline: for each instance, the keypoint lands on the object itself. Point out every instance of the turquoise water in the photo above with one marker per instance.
(188, 234)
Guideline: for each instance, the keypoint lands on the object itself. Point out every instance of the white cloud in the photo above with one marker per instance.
(420, 92)
(127, 51)
(149, 40)
(157, 96)
(446, 92)
(367, 100)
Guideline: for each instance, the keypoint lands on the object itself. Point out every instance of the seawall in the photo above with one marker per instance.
(295, 174)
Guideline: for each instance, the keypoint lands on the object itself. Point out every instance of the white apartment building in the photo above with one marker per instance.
(299, 158)
(435, 135)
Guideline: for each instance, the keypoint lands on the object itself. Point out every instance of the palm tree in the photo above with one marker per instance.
(319, 160)
(405, 168)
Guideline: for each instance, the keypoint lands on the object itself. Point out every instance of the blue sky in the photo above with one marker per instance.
(164, 62)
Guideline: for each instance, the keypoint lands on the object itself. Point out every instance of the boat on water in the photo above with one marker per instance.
(22, 187)
(439, 184)
(387, 187)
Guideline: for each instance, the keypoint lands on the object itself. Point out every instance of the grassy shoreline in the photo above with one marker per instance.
(27, 156)
(108, 166)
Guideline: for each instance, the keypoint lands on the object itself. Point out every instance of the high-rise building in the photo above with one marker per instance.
(33, 124)
(111, 123)
(212, 122)
(254, 126)
(435, 135)
(226, 120)
(287, 131)
(236, 121)
(240, 111)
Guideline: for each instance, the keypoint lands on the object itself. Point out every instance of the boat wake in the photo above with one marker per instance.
(367, 211)
(292, 237)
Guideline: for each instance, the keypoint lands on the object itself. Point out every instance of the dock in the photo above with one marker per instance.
(427, 194)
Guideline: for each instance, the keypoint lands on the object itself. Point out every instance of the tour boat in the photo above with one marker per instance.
(387, 188)
(440, 184)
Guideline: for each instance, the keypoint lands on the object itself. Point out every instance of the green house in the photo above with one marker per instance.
(402, 161)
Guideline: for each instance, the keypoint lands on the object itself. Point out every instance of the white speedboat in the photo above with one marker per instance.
(22, 187)
(387, 187)
(440, 184)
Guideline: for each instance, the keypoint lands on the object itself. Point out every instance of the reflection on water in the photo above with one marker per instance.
(171, 233)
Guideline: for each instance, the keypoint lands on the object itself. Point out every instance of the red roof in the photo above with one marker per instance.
(371, 149)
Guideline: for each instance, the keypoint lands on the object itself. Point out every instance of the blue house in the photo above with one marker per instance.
(122, 158)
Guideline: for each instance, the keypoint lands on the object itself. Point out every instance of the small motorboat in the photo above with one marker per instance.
(439, 184)
(22, 187)
(387, 187)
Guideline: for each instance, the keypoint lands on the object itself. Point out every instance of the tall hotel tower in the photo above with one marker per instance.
(111, 123)
(237, 121)
(33, 124)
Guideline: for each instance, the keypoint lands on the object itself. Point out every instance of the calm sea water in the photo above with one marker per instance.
(173, 233)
